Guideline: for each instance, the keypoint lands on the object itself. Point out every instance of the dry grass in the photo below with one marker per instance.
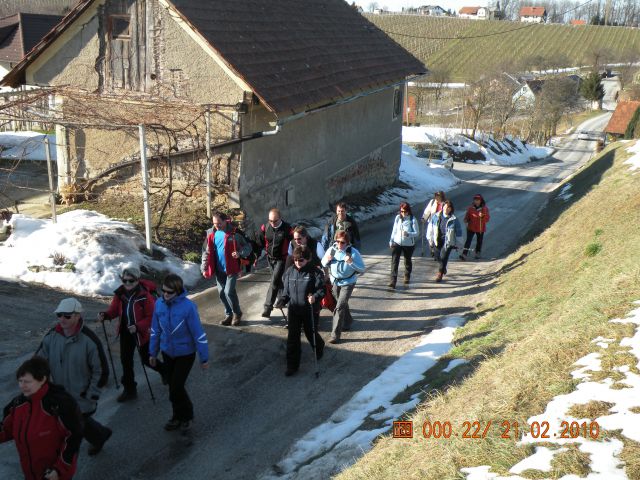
(591, 410)
(538, 321)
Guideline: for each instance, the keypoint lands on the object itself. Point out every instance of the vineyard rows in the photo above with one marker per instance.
(467, 58)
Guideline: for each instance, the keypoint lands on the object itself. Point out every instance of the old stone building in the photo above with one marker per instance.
(307, 94)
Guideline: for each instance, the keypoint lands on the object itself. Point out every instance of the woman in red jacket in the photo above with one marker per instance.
(476, 218)
(133, 302)
(44, 422)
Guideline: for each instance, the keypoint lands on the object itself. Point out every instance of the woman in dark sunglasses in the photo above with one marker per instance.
(176, 330)
(133, 302)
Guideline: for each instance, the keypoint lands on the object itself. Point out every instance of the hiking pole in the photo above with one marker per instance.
(113, 367)
(313, 335)
(144, 369)
(286, 322)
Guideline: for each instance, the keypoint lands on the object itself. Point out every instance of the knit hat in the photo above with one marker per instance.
(132, 272)
(69, 305)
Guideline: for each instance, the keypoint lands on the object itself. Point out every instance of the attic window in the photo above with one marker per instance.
(120, 26)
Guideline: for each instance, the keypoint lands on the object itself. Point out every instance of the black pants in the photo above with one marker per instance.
(127, 348)
(467, 243)
(301, 317)
(177, 370)
(275, 286)
(407, 253)
(442, 256)
(94, 432)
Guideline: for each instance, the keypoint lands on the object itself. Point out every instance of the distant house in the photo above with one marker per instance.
(533, 14)
(19, 33)
(306, 97)
(577, 22)
(474, 13)
(430, 10)
(528, 93)
(621, 117)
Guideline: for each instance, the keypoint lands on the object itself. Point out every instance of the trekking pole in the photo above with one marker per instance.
(144, 369)
(313, 335)
(113, 367)
(286, 322)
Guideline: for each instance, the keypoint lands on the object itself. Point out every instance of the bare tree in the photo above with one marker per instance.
(439, 78)
(557, 98)
(597, 56)
(477, 103)
(372, 7)
(627, 59)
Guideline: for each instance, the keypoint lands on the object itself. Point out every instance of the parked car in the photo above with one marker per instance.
(436, 157)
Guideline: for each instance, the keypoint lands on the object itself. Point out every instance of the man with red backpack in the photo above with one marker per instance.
(274, 238)
(133, 302)
(222, 254)
(476, 218)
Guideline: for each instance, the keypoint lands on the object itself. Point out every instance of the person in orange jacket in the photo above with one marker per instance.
(476, 219)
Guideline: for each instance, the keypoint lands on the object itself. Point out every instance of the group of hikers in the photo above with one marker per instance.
(61, 384)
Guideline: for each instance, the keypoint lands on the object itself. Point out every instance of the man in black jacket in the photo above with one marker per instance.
(274, 239)
(341, 221)
(303, 290)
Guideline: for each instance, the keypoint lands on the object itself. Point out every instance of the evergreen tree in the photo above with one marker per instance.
(632, 129)
(592, 88)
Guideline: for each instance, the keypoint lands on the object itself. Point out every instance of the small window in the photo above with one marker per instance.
(289, 196)
(120, 26)
(397, 103)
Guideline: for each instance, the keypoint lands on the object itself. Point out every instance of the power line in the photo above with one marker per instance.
(529, 25)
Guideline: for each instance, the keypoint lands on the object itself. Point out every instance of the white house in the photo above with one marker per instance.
(533, 14)
(474, 13)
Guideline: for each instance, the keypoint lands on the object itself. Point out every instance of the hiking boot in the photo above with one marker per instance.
(477, 255)
(236, 319)
(266, 313)
(290, 371)
(407, 277)
(95, 449)
(462, 257)
(185, 426)
(127, 395)
(333, 339)
(392, 282)
(439, 277)
(172, 424)
(227, 320)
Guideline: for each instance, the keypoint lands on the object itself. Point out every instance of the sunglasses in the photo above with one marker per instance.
(129, 280)
(168, 292)
(65, 315)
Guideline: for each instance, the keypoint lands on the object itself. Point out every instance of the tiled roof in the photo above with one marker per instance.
(578, 22)
(532, 12)
(621, 117)
(19, 33)
(294, 54)
(300, 54)
(469, 10)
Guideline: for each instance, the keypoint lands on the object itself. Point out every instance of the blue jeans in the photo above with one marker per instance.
(227, 291)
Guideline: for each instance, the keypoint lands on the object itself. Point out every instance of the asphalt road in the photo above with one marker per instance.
(247, 412)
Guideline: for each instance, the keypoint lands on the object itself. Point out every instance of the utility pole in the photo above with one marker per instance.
(145, 187)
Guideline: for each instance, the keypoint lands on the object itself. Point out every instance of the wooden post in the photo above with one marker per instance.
(208, 141)
(52, 193)
(145, 187)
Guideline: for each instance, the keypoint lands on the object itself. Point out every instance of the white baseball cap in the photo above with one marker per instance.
(69, 305)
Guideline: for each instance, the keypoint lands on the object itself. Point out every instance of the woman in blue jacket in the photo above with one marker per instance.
(177, 332)
(403, 242)
(345, 263)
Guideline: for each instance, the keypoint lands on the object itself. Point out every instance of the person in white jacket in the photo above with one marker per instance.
(403, 242)
(434, 206)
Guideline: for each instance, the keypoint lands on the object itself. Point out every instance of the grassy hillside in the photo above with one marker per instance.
(553, 296)
(467, 57)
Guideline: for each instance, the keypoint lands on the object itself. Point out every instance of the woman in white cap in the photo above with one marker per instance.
(133, 302)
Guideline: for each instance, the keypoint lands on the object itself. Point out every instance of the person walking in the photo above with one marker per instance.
(177, 332)
(444, 233)
(403, 242)
(45, 423)
(345, 263)
(303, 288)
(433, 206)
(222, 251)
(476, 219)
(340, 221)
(275, 238)
(78, 363)
(133, 303)
(301, 238)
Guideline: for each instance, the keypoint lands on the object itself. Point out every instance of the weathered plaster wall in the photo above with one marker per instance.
(320, 158)
(193, 70)
(71, 60)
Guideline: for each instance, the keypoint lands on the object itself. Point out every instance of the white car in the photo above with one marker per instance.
(584, 135)
(436, 157)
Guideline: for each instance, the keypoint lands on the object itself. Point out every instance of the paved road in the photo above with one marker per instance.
(247, 412)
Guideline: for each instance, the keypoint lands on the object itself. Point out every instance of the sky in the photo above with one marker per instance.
(396, 5)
